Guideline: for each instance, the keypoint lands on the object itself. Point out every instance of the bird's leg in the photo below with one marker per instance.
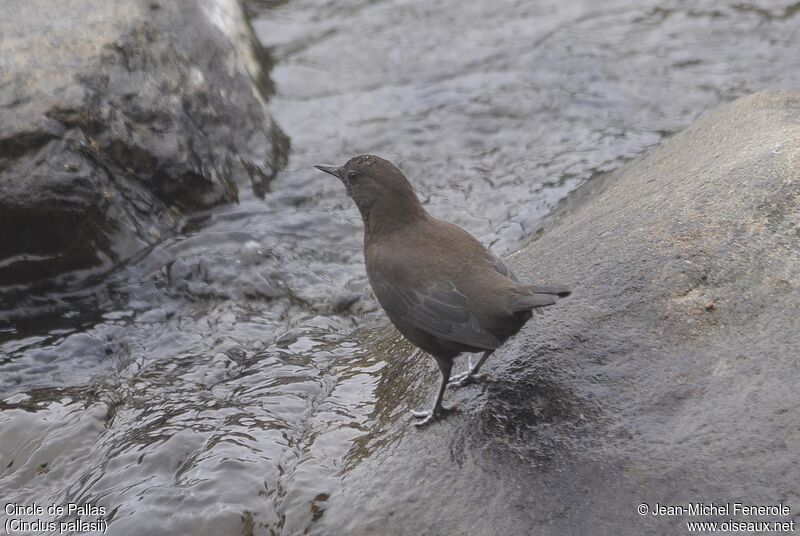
(445, 366)
(483, 359)
(465, 377)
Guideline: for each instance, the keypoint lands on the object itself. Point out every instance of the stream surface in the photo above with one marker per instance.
(216, 383)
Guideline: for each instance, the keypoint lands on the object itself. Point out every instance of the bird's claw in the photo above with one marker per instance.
(427, 416)
(460, 380)
(424, 417)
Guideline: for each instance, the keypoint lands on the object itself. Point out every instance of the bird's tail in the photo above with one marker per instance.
(533, 296)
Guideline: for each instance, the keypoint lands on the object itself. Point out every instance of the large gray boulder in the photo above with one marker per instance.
(670, 376)
(116, 116)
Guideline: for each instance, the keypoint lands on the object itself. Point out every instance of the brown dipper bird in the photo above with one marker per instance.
(442, 289)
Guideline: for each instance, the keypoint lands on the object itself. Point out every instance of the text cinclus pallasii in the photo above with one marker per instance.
(440, 287)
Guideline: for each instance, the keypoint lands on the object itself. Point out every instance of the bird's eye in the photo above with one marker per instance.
(352, 174)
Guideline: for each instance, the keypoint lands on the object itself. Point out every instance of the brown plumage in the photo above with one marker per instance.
(442, 289)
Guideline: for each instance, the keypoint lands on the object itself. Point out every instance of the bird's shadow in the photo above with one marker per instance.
(523, 410)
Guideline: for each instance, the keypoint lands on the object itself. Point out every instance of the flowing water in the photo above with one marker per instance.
(217, 383)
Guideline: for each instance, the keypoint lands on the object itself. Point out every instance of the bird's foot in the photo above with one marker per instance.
(427, 416)
(460, 380)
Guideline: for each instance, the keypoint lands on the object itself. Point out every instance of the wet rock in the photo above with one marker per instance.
(634, 390)
(116, 117)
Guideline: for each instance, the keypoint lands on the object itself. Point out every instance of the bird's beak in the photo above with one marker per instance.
(333, 170)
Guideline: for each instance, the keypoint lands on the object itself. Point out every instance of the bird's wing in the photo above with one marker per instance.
(440, 310)
(454, 233)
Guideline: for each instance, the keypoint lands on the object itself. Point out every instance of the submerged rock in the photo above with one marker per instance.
(668, 377)
(116, 116)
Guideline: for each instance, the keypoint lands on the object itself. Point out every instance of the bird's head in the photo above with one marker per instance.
(379, 189)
